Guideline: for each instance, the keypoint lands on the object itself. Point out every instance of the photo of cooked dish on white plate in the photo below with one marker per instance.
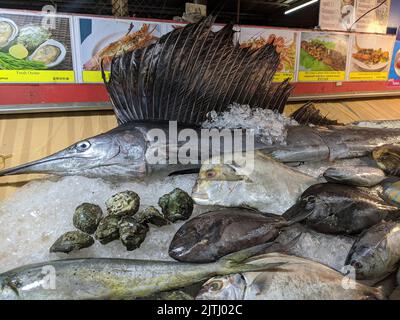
(284, 41)
(27, 42)
(102, 39)
(371, 53)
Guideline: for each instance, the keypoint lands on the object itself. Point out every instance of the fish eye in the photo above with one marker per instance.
(82, 146)
(310, 200)
(210, 174)
(216, 286)
(357, 265)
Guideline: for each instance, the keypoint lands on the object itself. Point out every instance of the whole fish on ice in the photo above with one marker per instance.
(181, 77)
(340, 209)
(214, 234)
(297, 279)
(377, 251)
(107, 278)
(253, 181)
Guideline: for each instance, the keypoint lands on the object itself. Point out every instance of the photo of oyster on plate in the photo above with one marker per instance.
(371, 53)
(27, 45)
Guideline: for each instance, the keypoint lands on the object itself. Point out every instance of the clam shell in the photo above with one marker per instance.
(15, 31)
(54, 43)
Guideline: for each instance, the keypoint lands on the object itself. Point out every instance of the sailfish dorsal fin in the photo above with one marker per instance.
(191, 71)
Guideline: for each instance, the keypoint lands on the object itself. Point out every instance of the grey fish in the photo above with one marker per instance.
(297, 279)
(182, 77)
(107, 278)
(300, 241)
(316, 169)
(377, 251)
(214, 234)
(255, 181)
(341, 209)
(360, 176)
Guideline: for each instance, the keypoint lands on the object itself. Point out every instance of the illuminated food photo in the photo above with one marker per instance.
(323, 52)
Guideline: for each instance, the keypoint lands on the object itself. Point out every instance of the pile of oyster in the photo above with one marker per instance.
(123, 221)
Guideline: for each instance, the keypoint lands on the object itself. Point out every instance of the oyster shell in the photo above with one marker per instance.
(50, 52)
(8, 31)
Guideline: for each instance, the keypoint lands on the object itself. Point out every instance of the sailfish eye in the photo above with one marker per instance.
(82, 146)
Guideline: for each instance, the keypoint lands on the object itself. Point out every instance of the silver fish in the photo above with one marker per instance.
(360, 176)
(255, 181)
(78, 279)
(377, 251)
(297, 279)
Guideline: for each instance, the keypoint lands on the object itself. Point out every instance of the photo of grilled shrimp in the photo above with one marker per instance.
(129, 42)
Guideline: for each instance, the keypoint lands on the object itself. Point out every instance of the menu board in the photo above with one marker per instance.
(375, 21)
(394, 75)
(342, 14)
(322, 56)
(285, 42)
(370, 57)
(100, 39)
(336, 14)
(35, 48)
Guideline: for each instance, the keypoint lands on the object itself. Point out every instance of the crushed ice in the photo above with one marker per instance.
(41, 211)
(270, 126)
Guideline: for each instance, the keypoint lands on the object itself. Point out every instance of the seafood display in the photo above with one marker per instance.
(307, 209)
(26, 44)
(123, 221)
(118, 278)
(297, 279)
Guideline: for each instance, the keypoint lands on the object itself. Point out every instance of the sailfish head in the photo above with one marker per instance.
(119, 152)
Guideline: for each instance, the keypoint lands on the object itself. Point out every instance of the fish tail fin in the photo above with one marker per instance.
(237, 261)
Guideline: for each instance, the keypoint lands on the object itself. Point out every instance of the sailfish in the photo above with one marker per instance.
(180, 78)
